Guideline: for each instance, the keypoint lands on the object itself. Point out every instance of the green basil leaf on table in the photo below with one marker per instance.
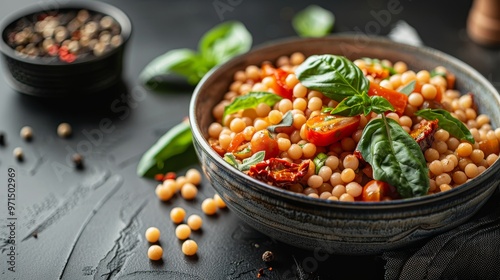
(287, 121)
(251, 100)
(335, 76)
(178, 61)
(319, 161)
(313, 21)
(171, 152)
(395, 157)
(408, 88)
(224, 41)
(447, 122)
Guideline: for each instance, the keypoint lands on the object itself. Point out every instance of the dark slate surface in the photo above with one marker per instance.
(90, 223)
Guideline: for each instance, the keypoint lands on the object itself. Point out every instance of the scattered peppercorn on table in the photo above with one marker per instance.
(77, 209)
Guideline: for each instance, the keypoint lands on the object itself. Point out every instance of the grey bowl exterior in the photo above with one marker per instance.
(350, 228)
(56, 79)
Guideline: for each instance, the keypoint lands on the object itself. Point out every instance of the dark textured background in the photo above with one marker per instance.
(90, 224)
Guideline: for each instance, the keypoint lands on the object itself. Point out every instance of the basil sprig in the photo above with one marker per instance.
(313, 21)
(251, 100)
(335, 76)
(395, 157)
(447, 122)
(219, 44)
(340, 79)
(361, 104)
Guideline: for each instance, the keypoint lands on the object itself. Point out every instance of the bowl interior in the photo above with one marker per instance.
(215, 84)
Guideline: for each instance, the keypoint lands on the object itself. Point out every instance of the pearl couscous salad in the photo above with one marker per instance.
(363, 130)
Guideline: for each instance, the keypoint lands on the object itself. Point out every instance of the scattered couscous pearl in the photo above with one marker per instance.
(177, 214)
(194, 222)
(189, 191)
(189, 247)
(193, 176)
(18, 153)
(26, 133)
(64, 130)
(208, 206)
(219, 202)
(155, 252)
(152, 234)
(182, 231)
(163, 193)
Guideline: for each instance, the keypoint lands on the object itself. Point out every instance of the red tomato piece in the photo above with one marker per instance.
(279, 75)
(279, 172)
(397, 99)
(375, 190)
(323, 130)
(262, 141)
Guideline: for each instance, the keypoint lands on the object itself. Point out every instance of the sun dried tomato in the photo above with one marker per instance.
(424, 135)
(279, 172)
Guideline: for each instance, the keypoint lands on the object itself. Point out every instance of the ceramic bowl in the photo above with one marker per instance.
(351, 228)
(52, 77)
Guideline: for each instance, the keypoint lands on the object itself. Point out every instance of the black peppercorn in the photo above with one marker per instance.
(77, 160)
(2, 139)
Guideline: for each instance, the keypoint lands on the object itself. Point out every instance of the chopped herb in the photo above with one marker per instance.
(247, 163)
(286, 122)
(319, 161)
(408, 88)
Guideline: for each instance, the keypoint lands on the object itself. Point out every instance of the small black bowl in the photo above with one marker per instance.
(53, 78)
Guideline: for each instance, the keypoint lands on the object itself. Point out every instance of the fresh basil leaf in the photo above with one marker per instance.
(352, 106)
(179, 61)
(224, 41)
(380, 105)
(247, 163)
(408, 88)
(253, 160)
(319, 161)
(251, 100)
(287, 121)
(173, 151)
(447, 122)
(313, 21)
(335, 76)
(395, 157)
(231, 159)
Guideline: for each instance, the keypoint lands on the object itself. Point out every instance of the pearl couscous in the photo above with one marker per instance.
(282, 128)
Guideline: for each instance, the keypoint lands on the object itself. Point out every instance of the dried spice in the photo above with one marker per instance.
(65, 36)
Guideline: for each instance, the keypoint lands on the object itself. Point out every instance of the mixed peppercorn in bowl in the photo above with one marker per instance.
(358, 146)
(64, 50)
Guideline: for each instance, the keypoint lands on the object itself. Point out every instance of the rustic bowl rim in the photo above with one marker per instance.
(95, 6)
(356, 205)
